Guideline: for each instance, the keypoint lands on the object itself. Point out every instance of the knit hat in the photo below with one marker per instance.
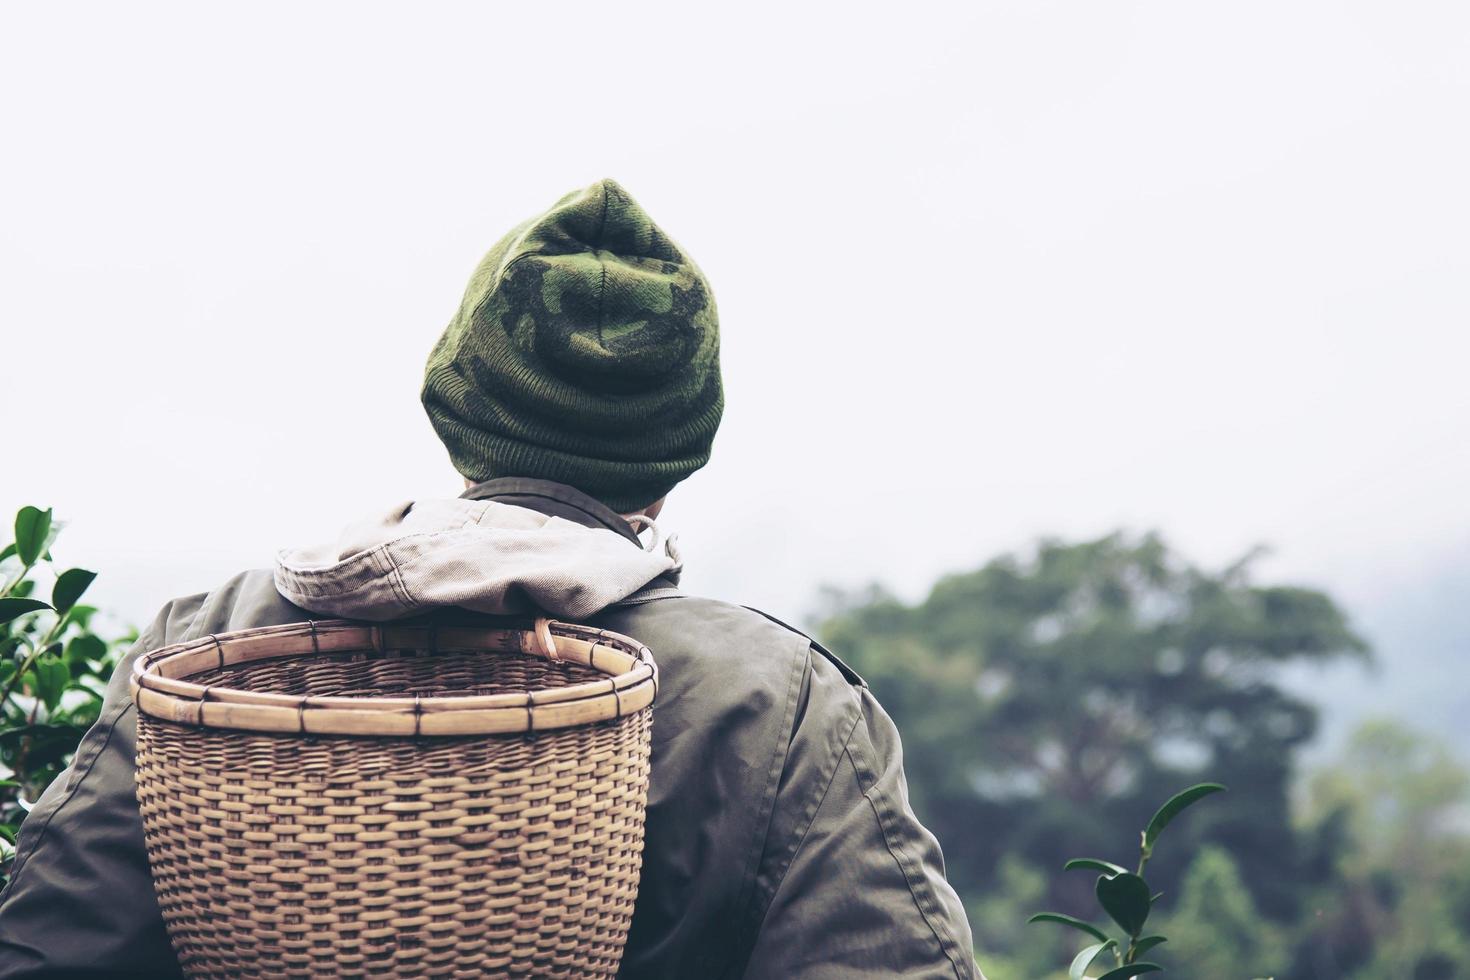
(586, 351)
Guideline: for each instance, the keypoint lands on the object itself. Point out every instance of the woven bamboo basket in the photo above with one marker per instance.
(347, 799)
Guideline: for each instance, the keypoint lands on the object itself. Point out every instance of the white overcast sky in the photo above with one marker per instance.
(985, 271)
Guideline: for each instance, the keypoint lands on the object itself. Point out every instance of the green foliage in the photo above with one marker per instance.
(1075, 923)
(54, 668)
(1088, 956)
(1393, 899)
(1127, 898)
(32, 528)
(1171, 809)
(1053, 699)
(12, 608)
(1216, 928)
(1093, 864)
(1001, 915)
(69, 587)
(1049, 701)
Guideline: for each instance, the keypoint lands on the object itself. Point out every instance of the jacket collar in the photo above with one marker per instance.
(554, 500)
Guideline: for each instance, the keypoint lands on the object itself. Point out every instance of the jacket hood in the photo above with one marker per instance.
(479, 555)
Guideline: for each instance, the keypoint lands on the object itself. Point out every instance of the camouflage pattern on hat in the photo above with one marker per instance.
(586, 351)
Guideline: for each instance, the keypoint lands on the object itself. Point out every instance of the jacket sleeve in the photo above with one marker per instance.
(80, 901)
(855, 884)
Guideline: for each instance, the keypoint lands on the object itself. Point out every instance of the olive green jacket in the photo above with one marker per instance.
(780, 842)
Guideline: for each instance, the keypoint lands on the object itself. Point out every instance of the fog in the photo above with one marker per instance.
(985, 271)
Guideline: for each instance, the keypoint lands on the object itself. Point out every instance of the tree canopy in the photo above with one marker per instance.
(1048, 701)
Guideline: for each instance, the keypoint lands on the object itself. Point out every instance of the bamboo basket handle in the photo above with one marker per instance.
(543, 637)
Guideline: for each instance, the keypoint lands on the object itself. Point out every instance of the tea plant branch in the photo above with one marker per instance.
(61, 663)
(36, 650)
(1126, 898)
(34, 532)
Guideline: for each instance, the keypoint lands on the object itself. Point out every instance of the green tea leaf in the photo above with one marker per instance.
(13, 608)
(1174, 807)
(7, 551)
(1093, 864)
(1126, 899)
(50, 677)
(32, 526)
(82, 614)
(1147, 943)
(69, 588)
(1068, 920)
(1131, 970)
(1084, 959)
(86, 647)
(50, 743)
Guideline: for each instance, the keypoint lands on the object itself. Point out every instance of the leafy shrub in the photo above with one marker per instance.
(54, 668)
(1055, 696)
(1127, 899)
(1215, 926)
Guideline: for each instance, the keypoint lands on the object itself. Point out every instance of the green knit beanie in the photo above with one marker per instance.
(586, 351)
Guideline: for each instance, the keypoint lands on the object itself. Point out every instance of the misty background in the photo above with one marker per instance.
(985, 272)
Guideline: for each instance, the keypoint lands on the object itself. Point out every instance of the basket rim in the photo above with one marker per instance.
(161, 688)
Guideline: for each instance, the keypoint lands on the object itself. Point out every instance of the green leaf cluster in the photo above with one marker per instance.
(54, 668)
(1127, 899)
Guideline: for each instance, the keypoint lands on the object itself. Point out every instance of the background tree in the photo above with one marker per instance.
(1216, 930)
(1048, 702)
(1390, 819)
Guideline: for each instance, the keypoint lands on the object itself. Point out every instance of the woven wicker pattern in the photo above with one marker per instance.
(365, 676)
(300, 855)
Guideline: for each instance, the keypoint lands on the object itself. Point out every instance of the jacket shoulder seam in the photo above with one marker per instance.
(923, 897)
(739, 951)
(809, 817)
(847, 672)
